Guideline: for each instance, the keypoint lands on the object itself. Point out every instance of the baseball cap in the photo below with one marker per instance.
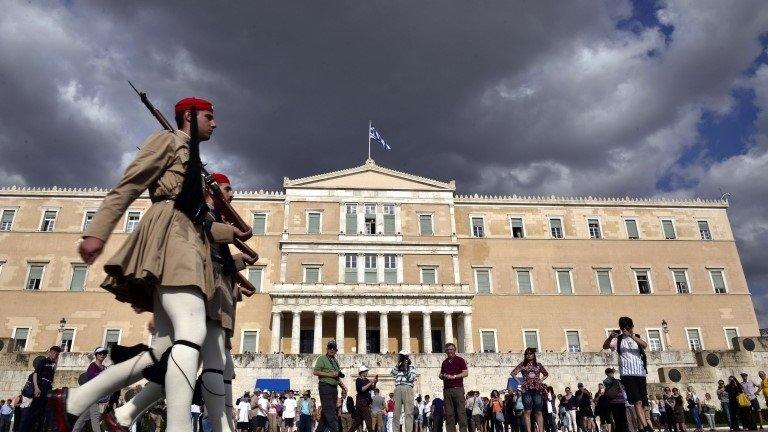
(332, 345)
(362, 369)
(403, 353)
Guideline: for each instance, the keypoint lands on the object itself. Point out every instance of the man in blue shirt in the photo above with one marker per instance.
(305, 413)
(437, 414)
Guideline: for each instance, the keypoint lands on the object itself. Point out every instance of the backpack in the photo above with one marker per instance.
(642, 351)
(613, 391)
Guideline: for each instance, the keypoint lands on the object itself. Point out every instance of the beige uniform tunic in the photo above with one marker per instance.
(166, 249)
(221, 307)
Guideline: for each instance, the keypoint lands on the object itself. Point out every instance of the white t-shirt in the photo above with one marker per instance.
(630, 363)
(194, 409)
(289, 408)
(263, 404)
(242, 411)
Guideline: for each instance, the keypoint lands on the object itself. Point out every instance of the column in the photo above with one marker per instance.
(295, 326)
(317, 346)
(448, 327)
(276, 332)
(383, 333)
(405, 333)
(468, 345)
(361, 333)
(340, 331)
(427, 326)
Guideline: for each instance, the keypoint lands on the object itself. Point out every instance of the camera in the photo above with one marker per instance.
(341, 374)
(617, 331)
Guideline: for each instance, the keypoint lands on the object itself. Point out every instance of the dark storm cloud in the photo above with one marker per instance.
(526, 97)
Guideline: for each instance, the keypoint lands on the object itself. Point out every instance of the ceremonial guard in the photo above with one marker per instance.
(164, 266)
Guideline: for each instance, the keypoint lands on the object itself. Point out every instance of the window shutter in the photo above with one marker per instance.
(531, 341)
(351, 225)
(524, 282)
(78, 278)
(574, 345)
(312, 275)
(483, 281)
(632, 231)
(718, 281)
(564, 280)
(254, 277)
(259, 223)
(489, 342)
(669, 229)
(313, 223)
(249, 341)
(425, 225)
(21, 333)
(604, 282)
(67, 335)
(428, 275)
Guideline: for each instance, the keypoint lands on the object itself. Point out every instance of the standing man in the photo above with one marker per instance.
(632, 367)
(378, 410)
(163, 266)
(94, 411)
(452, 372)
(405, 377)
(6, 413)
(752, 390)
(438, 414)
(305, 413)
(42, 382)
(328, 370)
(290, 409)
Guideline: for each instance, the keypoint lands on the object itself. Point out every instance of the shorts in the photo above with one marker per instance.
(425, 421)
(636, 388)
(288, 422)
(755, 404)
(261, 421)
(243, 425)
(532, 401)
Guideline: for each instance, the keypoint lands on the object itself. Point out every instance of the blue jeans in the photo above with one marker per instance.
(696, 417)
(195, 421)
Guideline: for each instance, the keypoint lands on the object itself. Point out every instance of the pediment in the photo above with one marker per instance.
(369, 176)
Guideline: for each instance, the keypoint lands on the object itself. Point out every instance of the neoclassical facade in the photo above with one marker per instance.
(382, 260)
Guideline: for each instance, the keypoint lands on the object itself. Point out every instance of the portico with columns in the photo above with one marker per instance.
(388, 318)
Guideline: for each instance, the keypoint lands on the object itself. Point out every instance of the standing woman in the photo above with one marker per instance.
(722, 395)
(733, 389)
(694, 406)
(708, 408)
(679, 409)
(569, 400)
(533, 388)
(497, 411)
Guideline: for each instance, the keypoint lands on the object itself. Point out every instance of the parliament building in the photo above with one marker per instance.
(384, 261)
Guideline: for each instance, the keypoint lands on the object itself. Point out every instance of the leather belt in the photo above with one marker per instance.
(161, 198)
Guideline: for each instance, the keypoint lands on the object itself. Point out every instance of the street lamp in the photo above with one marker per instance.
(665, 328)
(62, 324)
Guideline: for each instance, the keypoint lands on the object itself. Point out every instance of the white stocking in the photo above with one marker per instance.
(186, 309)
(213, 383)
(122, 374)
(229, 375)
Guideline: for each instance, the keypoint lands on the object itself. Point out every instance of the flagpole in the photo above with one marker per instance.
(369, 138)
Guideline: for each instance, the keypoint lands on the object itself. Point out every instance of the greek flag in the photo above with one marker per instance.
(376, 136)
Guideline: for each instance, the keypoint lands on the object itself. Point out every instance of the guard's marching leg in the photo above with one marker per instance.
(213, 377)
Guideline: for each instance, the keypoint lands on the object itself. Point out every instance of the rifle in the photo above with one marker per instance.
(219, 201)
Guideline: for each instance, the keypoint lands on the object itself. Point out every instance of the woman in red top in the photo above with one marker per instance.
(534, 390)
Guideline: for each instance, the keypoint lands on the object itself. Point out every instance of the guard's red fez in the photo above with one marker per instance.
(193, 102)
(220, 178)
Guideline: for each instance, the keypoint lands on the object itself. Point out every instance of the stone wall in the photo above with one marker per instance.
(486, 371)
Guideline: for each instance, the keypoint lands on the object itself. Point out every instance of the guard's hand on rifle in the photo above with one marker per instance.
(249, 259)
(243, 235)
(90, 249)
(245, 291)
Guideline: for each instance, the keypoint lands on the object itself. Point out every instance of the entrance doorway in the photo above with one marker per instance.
(437, 341)
(372, 337)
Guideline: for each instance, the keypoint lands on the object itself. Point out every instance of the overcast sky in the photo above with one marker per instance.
(568, 98)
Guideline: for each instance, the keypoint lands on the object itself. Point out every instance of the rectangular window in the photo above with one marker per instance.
(88, 219)
(594, 228)
(313, 223)
(78, 277)
(654, 340)
(669, 229)
(632, 232)
(390, 269)
(67, 340)
(35, 278)
(730, 334)
(259, 223)
(556, 227)
(572, 339)
(132, 221)
(488, 341)
(6, 222)
(483, 281)
(516, 225)
(371, 275)
(704, 230)
(681, 281)
(425, 225)
(604, 281)
(20, 336)
(428, 275)
(564, 285)
(311, 275)
(718, 281)
(350, 268)
(531, 339)
(524, 285)
(255, 274)
(694, 339)
(478, 227)
(350, 227)
(250, 338)
(111, 338)
(643, 281)
(389, 219)
(370, 219)
(49, 220)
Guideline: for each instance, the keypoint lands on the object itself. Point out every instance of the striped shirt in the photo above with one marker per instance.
(630, 363)
(404, 377)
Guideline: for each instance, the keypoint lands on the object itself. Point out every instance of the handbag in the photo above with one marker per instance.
(743, 400)
(28, 390)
